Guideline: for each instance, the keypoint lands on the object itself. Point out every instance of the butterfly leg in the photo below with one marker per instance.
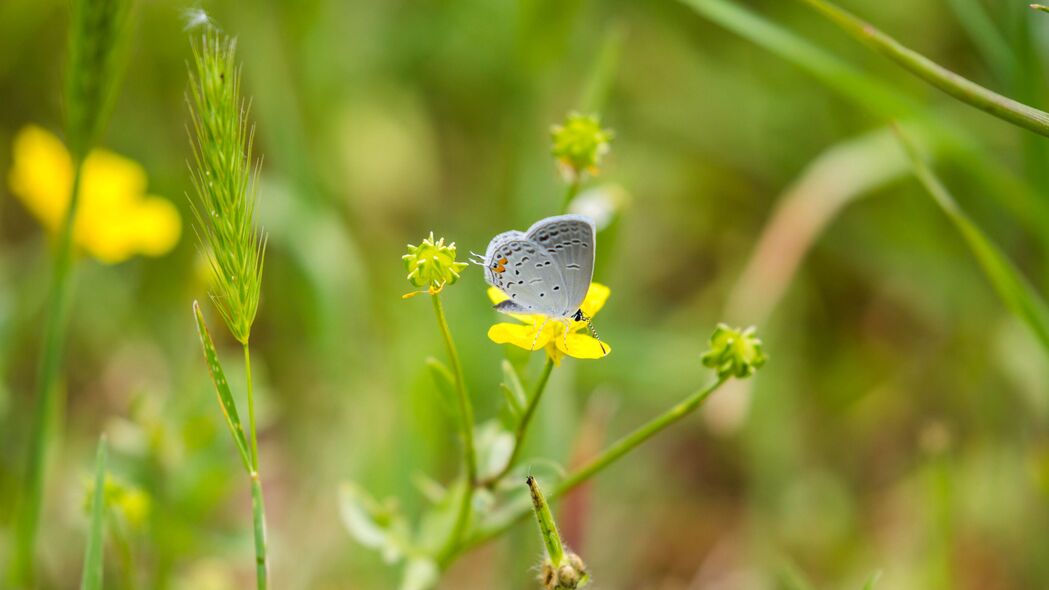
(538, 332)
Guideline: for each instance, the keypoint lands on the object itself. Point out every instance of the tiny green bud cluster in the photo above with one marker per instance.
(579, 143)
(734, 352)
(570, 575)
(432, 264)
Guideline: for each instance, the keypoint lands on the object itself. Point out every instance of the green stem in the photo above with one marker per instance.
(961, 88)
(466, 425)
(28, 518)
(603, 460)
(570, 193)
(258, 513)
(555, 549)
(251, 410)
(522, 425)
(258, 510)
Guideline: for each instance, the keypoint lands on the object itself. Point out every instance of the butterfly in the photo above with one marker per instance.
(546, 270)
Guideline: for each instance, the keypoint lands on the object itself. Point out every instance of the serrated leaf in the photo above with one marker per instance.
(218, 378)
(373, 525)
(513, 390)
(444, 381)
(91, 577)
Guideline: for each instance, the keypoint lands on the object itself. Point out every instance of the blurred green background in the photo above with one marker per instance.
(902, 423)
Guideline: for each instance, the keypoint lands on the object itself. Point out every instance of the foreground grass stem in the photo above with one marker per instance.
(28, 518)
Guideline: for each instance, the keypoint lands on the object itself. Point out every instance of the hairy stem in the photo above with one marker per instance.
(466, 426)
(28, 518)
(522, 425)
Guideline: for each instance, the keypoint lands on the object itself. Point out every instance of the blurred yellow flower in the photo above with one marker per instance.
(115, 218)
(553, 337)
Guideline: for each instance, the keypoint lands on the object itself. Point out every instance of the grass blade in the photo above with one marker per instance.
(91, 578)
(1015, 291)
(229, 407)
(960, 88)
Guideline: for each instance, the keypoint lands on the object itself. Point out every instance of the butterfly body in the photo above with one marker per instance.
(546, 270)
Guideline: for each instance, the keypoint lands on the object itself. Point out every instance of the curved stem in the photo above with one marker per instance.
(28, 518)
(957, 86)
(466, 425)
(522, 426)
(258, 510)
(603, 460)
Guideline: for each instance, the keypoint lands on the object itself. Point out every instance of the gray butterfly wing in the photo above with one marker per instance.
(527, 273)
(570, 241)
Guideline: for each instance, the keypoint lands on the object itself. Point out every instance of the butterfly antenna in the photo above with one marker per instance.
(593, 331)
(476, 258)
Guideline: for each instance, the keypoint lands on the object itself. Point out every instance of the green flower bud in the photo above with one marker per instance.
(734, 352)
(432, 264)
(579, 143)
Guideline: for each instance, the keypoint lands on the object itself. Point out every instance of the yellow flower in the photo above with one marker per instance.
(115, 218)
(553, 337)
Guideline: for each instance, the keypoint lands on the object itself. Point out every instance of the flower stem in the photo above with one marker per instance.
(960, 88)
(466, 426)
(258, 510)
(522, 426)
(28, 518)
(603, 460)
(570, 193)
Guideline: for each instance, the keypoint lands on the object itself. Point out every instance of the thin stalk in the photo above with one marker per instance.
(522, 425)
(258, 513)
(603, 460)
(957, 86)
(570, 193)
(258, 510)
(466, 426)
(28, 519)
(251, 410)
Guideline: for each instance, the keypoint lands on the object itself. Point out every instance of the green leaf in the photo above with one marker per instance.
(444, 381)
(91, 578)
(374, 525)
(871, 581)
(513, 390)
(229, 407)
(1017, 294)
(493, 445)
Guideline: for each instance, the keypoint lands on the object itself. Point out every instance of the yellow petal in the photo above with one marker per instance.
(582, 346)
(595, 299)
(41, 174)
(158, 226)
(520, 335)
(496, 295)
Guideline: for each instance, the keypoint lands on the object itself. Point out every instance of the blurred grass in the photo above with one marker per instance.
(892, 355)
